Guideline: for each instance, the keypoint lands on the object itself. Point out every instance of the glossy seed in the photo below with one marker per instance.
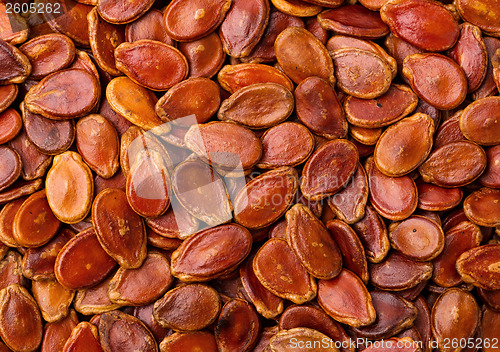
(234, 77)
(84, 337)
(266, 198)
(300, 54)
(424, 23)
(454, 315)
(69, 187)
(287, 279)
(319, 109)
(316, 249)
(285, 339)
(64, 94)
(480, 266)
(122, 11)
(188, 308)
(480, 121)
(453, 165)
(15, 66)
(97, 142)
(20, 323)
(195, 261)
(259, 105)
(120, 230)
(167, 64)
(405, 145)
(53, 299)
(418, 238)
(82, 262)
(189, 342)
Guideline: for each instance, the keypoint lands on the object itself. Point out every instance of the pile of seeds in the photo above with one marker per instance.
(246, 175)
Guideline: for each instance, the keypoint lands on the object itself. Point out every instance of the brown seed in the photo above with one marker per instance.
(300, 54)
(194, 96)
(127, 286)
(49, 136)
(84, 337)
(431, 75)
(84, 62)
(280, 271)
(64, 94)
(360, 73)
(167, 64)
(287, 144)
(405, 145)
(491, 175)
(10, 270)
(97, 142)
(392, 106)
(15, 66)
(340, 42)
(234, 77)
(453, 165)
(455, 315)
(148, 26)
(394, 314)
(397, 273)
(480, 266)
(121, 124)
(489, 329)
(394, 198)
(490, 297)
(34, 223)
(179, 224)
(148, 184)
(35, 163)
(267, 304)
(11, 167)
(339, 155)
(38, 263)
(20, 189)
(353, 253)
(14, 27)
(120, 230)
(488, 22)
(145, 314)
(53, 299)
(449, 131)
(315, 318)
(20, 323)
(104, 37)
(48, 53)
(122, 11)
(205, 56)
(56, 334)
(189, 342)
(238, 326)
(95, 300)
(7, 215)
(69, 187)
(314, 247)
(435, 198)
(368, 136)
(243, 26)
(264, 50)
(286, 340)
(418, 238)
(346, 299)
(424, 23)
(212, 205)
(82, 262)
(458, 239)
(470, 53)
(354, 20)
(480, 120)
(266, 198)
(318, 107)
(140, 110)
(120, 331)
(259, 105)
(195, 261)
(372, 232)
(10, 124)
(296, 8)
(488, 87)
(188, 22)
(188, 308)
(70, 20)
